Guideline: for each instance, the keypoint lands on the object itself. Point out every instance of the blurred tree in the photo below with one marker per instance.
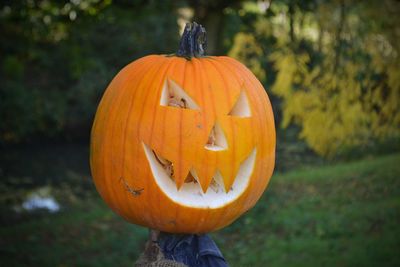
(337, 70)
(210, 13)
(59, 57)
(247, 50)
(332, 65)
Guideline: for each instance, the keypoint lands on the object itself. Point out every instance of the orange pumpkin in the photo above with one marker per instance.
(183, 144)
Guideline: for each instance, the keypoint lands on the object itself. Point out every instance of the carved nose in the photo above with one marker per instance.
(216, 139)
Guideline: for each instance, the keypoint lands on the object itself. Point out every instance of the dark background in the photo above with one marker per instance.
(330, 67)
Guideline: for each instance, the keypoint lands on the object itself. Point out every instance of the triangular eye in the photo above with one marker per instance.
(173, 95)
(241, 107)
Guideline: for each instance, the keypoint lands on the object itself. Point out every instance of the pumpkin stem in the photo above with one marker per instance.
(193, 41)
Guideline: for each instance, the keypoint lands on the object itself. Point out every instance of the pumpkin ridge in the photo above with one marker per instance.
(228, 180)
(240, 80)
(141, 84)
(182, 173)
(110, 112)
(166, 66)
(129, 117)
(241, 69)
(207, 158)
(197, 65)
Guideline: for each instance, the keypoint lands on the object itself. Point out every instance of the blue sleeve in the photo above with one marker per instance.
(192, 250)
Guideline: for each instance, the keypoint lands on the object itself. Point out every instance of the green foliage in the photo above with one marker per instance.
(27, 111)
(344, 214)
(61, 56)
(332, 67)
(339, 215)
(338, 75)
(90, 234)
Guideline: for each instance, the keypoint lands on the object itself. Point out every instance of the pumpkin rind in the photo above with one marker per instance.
(130, 116)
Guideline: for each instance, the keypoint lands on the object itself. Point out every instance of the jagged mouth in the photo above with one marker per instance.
(191, 194)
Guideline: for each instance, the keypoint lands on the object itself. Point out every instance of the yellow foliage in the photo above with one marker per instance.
(336, 109)
(248, 51)
(350, 95)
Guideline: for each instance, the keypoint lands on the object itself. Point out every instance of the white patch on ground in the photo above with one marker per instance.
(37, 202)
(39, 199)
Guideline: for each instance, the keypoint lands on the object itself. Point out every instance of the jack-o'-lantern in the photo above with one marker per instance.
(183, 143)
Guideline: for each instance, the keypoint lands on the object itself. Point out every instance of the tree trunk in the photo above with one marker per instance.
(212, 20)
(320, 37)
(291, 22)
(210, 14)
(339, 35)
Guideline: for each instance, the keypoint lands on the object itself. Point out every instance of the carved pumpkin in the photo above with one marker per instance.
(183, 145)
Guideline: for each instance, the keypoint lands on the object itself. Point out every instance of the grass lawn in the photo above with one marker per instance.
(342, 215)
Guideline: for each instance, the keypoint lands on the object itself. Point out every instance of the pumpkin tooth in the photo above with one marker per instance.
(217, 183)
(193, 175)
(245, 167)
(181, 172)
(190, 178)
(173, 173)
(228, 176)
(166, 164)
(204, 176)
